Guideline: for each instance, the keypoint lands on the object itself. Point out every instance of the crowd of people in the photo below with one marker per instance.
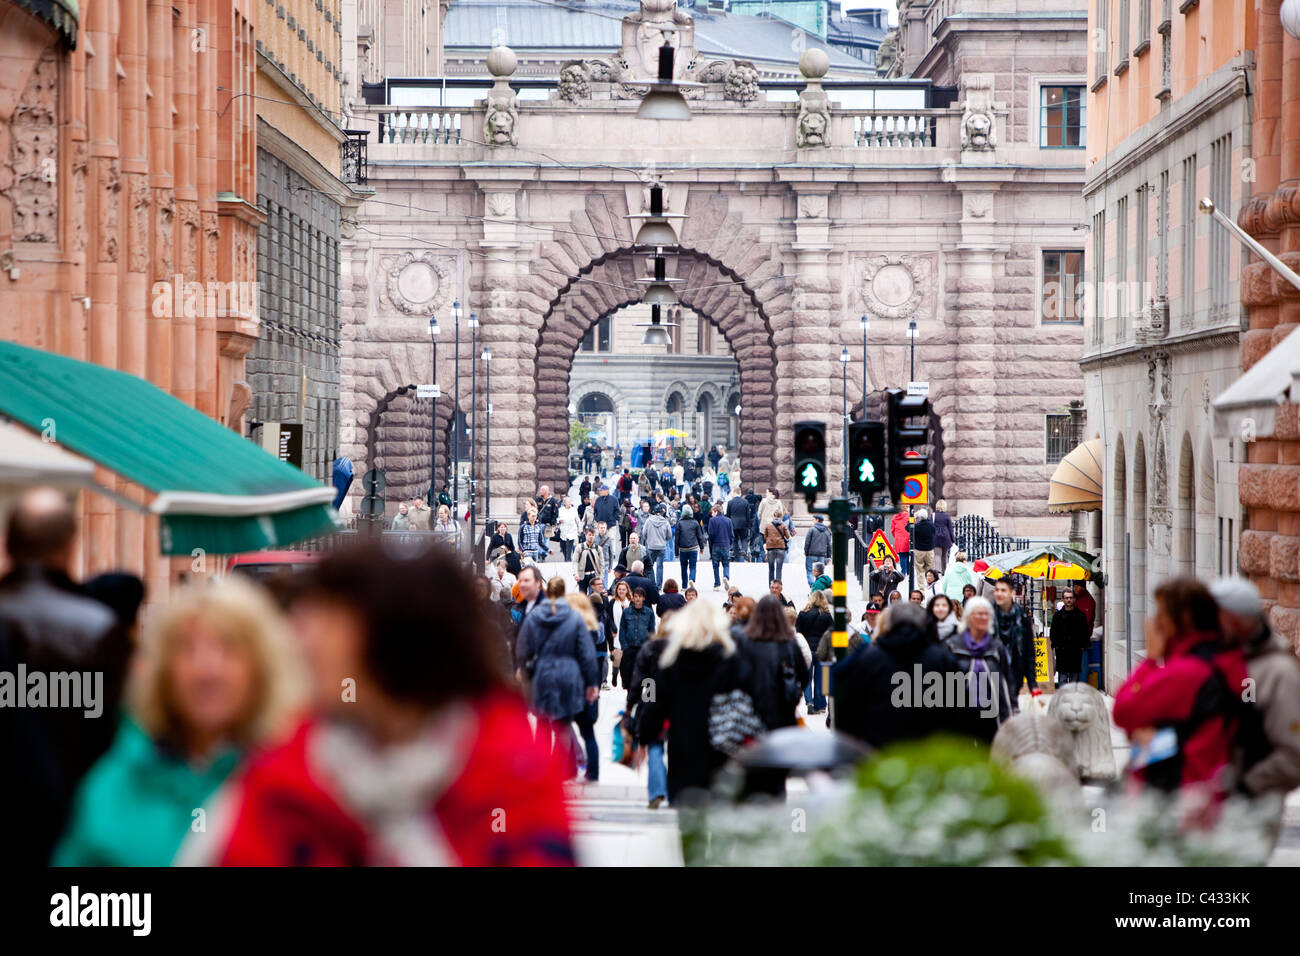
(386, 708)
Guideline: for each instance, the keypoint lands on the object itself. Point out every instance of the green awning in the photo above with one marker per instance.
(215, 490)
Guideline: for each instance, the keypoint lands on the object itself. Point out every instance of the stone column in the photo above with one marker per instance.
(511, 333)
(808, 387)
(971, 463)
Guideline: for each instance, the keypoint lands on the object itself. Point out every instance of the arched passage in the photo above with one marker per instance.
(709, 288)
(1139, 531)
(1118, 587)
(1185, 515)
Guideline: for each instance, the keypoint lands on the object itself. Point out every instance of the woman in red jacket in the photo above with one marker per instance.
(416, 753)
(1181, 706)
(898, 530)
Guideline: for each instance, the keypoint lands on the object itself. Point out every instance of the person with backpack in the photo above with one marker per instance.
(688, 538)
(589, 562)
(1271, 762)
(635, 626)
(1181, 707)
(816, 547)
(776, 540)
(1013, 625)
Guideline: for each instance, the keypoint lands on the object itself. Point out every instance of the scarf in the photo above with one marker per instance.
(977, 664)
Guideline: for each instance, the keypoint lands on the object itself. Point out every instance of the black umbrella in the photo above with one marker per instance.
(797, 749)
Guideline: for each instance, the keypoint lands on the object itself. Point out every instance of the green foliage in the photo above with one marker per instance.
(579, 432)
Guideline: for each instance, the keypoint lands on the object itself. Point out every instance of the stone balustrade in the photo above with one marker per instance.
(895, 129)
(421, 125)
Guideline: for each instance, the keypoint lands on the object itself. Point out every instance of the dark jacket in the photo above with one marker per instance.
(997, 661)
(48, 625)
(645, 677)
(1016, 632)
(606, 509)
(647, 584)
(884, 580)
(923, 535)
(566, 658)
(943, 533)
(1071, 637)
(636, 626)
(825, 650)
(817, 542)
(766, 664)
(876, 706)
(688, 536)
(670, 601)
(721, 534)
(683, 694)
(740, 513)
(812, 624)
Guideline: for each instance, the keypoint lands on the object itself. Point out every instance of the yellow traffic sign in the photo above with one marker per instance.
(916, 490)
(880, 548)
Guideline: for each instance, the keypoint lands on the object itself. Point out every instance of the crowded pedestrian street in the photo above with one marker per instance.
(630, 434)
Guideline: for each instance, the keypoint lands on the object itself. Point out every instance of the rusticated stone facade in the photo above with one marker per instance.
(1269, 482)
(935, 215)
(123, 167)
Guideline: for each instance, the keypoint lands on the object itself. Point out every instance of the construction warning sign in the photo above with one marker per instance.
(879, 549)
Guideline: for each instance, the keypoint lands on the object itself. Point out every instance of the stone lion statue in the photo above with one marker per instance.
(499, 123)
(977, 131)
(1081, 710)
(812, 128)
(1032, 732)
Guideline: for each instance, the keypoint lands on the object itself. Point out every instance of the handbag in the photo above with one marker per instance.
(732, 721)
(790, 681)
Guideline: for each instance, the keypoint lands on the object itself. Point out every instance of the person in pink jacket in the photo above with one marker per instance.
(901, 539)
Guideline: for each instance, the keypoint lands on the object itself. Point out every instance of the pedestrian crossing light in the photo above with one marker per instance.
(866, 457)
(906, 440)
(809, 458)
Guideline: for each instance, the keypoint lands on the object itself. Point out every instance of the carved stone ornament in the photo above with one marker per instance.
(500, 205)
(896, 287)
(137, 239)
(978, 126)
(110, 185)
(416, 283)
(575, 82)
(1082, 709)
(812, 207)
(1160, 470)
(741, 83)
(164, 231)
(978, 205)
(500, 119)
(813, 131)
(80, 162)
(31, 178)
(646, 30)
(211, 238)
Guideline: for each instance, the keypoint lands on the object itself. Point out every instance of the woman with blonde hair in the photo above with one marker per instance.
(944, 538)
(697, 664)
(216, 679)
(813, 622)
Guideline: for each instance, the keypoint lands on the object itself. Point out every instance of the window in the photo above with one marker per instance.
(1144, 27)
(1187, 305)
(1058, 437)
(1162, 230)
(1101, 43)
(1123, 35)
(703, 335)
(1063, 117)
(1143, 199)
(1062, 285)
(1098, 274)
(597, 338)
(1121, 269)
(1220, 249)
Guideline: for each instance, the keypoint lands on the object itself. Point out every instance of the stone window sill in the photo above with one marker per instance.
(1165, 27)
(1142, 48)
(1187, 5)
(1121, 67)
(1164, 95)
(1098, 83)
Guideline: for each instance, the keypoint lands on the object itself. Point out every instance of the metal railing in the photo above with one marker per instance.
(979, 538)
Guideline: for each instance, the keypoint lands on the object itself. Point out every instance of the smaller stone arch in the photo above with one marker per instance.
(680, 388)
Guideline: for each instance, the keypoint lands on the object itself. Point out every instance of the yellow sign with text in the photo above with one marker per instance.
(1042, 662)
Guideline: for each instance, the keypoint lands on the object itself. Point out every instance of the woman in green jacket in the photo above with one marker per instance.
(213, 683)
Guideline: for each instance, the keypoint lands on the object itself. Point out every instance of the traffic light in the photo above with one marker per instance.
(809, 458)
(866, 457)
(905, 438)
(936, 454)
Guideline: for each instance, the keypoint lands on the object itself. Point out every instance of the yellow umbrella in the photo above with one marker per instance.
(670, 433)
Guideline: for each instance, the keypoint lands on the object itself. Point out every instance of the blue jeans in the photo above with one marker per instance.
(809, 561)
(586, 721)
(722, 557)
(756, 544)
(813, 692)
(657, 566)
(775, 559)
(602, 664)
(904, 563)
(688, 561)
(658, 772)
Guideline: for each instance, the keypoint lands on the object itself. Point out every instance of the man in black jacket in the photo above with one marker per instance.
(754, 499)
(637, 578)
(740, 514)
(1013, 627)
(49, 626)
(1071, 640)
(922, 543)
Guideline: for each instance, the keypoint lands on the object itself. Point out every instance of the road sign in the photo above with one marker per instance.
(880, 548)
(374, 481)
(916, 490)
(372, 506)
(428, 391)
(918, 388)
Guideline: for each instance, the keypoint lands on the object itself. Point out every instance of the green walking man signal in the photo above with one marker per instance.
(810, 457)
(810, 478)
(866, 471)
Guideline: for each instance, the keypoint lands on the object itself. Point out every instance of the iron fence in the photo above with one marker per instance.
(979, 538)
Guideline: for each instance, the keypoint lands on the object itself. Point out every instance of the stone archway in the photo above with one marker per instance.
(1140, 538)
(1120, 568)
(1184, 562)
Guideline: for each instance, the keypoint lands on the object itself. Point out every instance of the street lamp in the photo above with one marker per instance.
(911, 334)
(844, 366)
(866, 324)
(455, 413)
(433, 426)
(487, 451)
